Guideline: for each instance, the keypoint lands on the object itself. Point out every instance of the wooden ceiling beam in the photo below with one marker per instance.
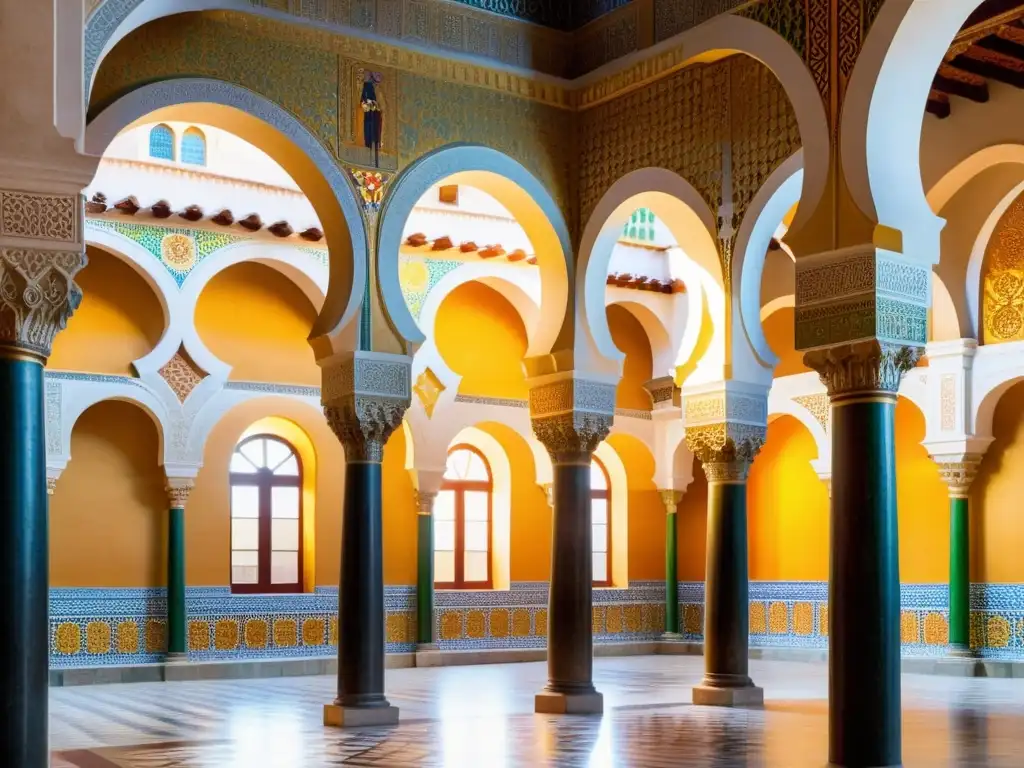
(992, 65)
(1007, 45)
(938, 104)
(957, 82)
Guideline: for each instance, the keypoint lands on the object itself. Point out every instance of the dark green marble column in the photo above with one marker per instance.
(726, 607)
(24, 563)
(864, 583)
(177, 635)
(671, 501)
(425, 571)
(958, 471)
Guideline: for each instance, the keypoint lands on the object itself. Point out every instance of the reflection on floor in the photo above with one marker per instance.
(476, 717)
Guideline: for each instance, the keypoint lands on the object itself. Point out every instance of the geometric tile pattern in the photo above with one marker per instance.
(418, 276)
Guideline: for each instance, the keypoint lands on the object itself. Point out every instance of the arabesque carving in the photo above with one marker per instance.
(726, 450)
(862, 368)
(38, 295)
(571, 438)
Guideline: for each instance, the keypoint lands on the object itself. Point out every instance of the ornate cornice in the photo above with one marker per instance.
(365, 396)
(571, 416)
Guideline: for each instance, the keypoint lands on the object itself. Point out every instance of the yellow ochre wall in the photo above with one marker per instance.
(787, 508)
(631, 339)
(108, 515)
(691, 527)
(400, 511)
(997, 525)
(481, 336)
(257, 320)
(120, 320)
(646, 512)
(780, 332)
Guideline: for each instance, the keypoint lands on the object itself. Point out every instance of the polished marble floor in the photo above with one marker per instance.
(477, 717)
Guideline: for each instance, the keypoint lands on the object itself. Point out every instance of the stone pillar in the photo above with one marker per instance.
(178, 490)
(861, 320)
(671, 501)
(365, 395)
(571, 416)
(725, 428)
(959, 472)
(40, 253)
(425, 571)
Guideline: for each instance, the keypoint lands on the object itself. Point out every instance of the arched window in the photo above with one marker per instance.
(161, 142)
(601, 528)
(266, 516)
(462, 522)
(193, 147)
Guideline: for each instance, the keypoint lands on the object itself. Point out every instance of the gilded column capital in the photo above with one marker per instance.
(365, 396)
(958, 472)
(726, 425)
(425, 502)
(178, 491)
(671, 500)
(571, 416)
(862, 368)
(663, 391)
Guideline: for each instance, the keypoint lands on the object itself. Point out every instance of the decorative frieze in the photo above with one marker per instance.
(571, 416)
(38, 294)
(40, 217)
(663, 391)
(725, 428)
(365, 396)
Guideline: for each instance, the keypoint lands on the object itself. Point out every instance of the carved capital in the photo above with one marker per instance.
(365, 396)
(958, 472)
(862, 368)
(571, 416)
(671, 500)
(38, 294)
(51, 486)
(663, 391)
(425, 502)
(178, 491)
(726, 450)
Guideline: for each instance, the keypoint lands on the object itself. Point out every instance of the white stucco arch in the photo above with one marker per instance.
(884, 111)
(83, 395)
(780, 404)
(280, 134)
(779, 302)
(519, 192)
(659, 337)
(958, 175)
(768, 208)
(687, 216)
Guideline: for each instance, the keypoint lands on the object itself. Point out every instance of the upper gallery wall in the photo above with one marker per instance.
(678, 121)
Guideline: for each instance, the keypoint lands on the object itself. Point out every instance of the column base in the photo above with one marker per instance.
(176, 658)
(711, 696)
(552, 703)
(671, 637)
(960, 652)
(428, 655)
(338, 716)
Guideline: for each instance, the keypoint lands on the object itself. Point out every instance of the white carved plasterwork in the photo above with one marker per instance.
(947, 402)
(726, 425)
(819, 408)
(571, 416)
(40, 217)
(53, 404)
(38, 294)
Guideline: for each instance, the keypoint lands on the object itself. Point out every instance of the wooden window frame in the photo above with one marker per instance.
(606, 494)
(265, 481)
(459, 487)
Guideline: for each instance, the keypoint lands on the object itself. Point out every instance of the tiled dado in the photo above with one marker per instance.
(90, 627)
(795, 614)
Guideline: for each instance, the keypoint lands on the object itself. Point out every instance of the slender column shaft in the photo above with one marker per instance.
(24, 565)
(671, 574)
(361, 591)
(176, 622)
(959, 575)
(864, 585)
(570, 636)
(726, 611)
(425, 570)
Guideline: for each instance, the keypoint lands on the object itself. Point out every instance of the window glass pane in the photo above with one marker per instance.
(597, 478)
(245, 568)
(475, 468)
(193, 147)
(284, 567)
(600, 540)
(253, 451)
(476, 536)
(444, 567)
(284, 502)
(245, 501)
(284, 534)
(444, 506)
(600, 567)
(276, 453)
(464, 464)
(444, 535)
(161, 143)
(474, 566)
(290, 467)
(599, 510)
(474, 505)
(241, 464)
(245, 533)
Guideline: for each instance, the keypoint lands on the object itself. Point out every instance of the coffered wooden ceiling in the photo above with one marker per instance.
(989, 47)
